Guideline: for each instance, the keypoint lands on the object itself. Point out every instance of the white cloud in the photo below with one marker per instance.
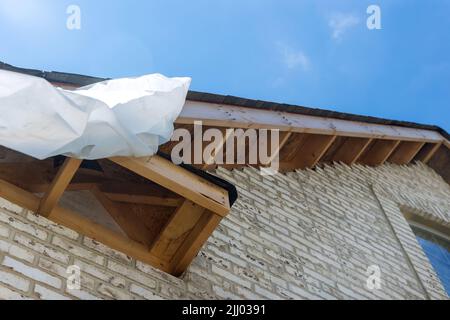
(340, 23)
(293, 59)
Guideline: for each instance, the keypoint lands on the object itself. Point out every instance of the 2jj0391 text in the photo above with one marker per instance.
(237, 310)
(231, 310)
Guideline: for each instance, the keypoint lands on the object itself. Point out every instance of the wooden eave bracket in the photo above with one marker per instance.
(177, 243)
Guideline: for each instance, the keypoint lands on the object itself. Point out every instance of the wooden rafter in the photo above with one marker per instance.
(291, 147)
(144, 199)
(378, 152)
(211, 161)
(427, 152)
(42, 188)
(143, 193)
(83, 225)
(58, 185)
(120, 192)
(311, 150)
(351, 150)
(405, 152)
(167, 229)
(158, 209)
(284, 138)
(180, 181)
(133, 227)
(222, 116)
(353, 137)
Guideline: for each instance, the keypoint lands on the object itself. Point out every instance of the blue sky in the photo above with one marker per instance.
(312, 53)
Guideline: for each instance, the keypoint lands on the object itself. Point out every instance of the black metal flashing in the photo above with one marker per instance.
(224, 184)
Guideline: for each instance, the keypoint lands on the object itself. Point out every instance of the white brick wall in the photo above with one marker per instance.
(304, 235)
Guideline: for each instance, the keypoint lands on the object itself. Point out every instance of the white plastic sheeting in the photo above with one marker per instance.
(123, 117)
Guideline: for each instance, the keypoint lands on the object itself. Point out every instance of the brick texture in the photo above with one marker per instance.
(304, 235)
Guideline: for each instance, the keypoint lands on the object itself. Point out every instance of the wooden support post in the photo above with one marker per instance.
(58, 185)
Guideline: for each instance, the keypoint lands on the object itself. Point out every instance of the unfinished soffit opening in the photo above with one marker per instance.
(308, 139)
(150, 209)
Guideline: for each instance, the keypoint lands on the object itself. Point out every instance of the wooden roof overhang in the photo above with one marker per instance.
(307, 141)
(164, 212)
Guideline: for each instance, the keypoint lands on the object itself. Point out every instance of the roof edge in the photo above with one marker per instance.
(83, 80)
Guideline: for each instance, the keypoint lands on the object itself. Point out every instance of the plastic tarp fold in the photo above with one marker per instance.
(122, 117)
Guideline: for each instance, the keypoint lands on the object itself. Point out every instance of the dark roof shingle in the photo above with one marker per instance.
(82, 80)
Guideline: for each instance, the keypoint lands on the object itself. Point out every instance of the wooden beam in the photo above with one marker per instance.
(284, 138)
(83, 225)
(240, 117)
(219, 115)
(291, 147)
(129, 223)
(180, 181)
(58, 185)
(144, 199)
(440, 225)
(427, 152)
(19, 196)
(379, 152)
(405, 152)
(192, 245)
(176, 230)
(351, 150)
(109, 238)
(121, 192)
(22, 174)
(141, 193)
(210, 163)
(311, 150)
(446, 143)
(42, 188)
